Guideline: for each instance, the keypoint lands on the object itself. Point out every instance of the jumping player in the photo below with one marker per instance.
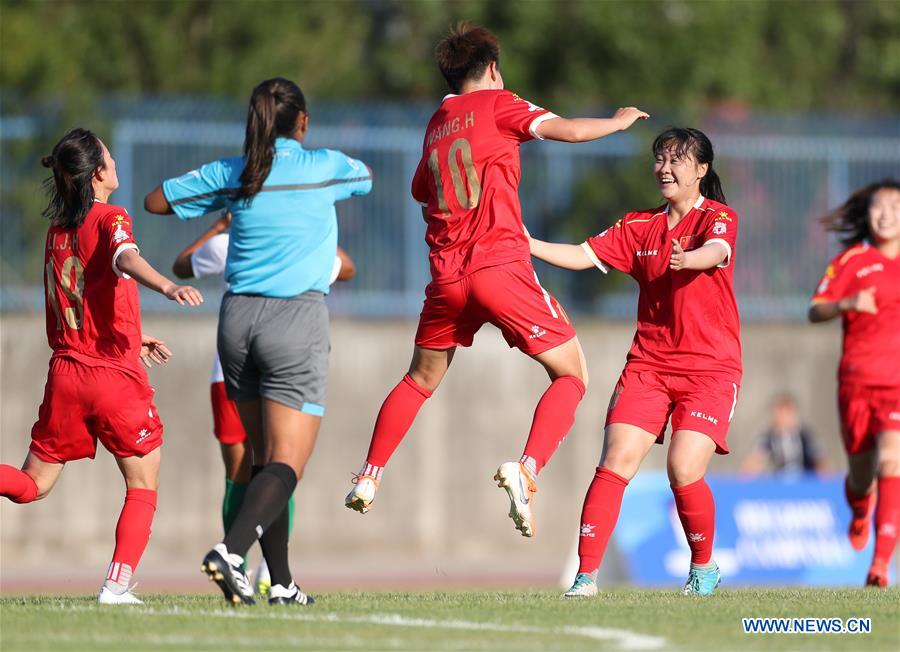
(467, 182)
(96, 387)
(862, 286)
(685, 361)
(273, 323)
(205, 257)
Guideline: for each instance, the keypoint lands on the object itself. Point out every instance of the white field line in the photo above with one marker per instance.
(622, 638)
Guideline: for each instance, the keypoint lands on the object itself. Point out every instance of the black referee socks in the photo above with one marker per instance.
(264, 503)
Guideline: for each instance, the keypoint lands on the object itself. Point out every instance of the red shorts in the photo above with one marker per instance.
(227, 424)
(508, 296)
(866, 412)
(83, 404)
(648, 399)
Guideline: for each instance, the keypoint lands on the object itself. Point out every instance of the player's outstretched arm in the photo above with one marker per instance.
(156, 202)
(580, 130)
(182, 266)
(567, 256)
(130, 262)
(862, 301)
(710, 255)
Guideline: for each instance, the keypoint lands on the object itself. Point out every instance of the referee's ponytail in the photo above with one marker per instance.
(694, 142)
(275, 106)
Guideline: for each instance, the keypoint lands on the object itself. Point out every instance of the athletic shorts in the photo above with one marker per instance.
(865, 412)
(648, 400)
(227, 424)
(276, 349)
(508, 296)
(83, 404)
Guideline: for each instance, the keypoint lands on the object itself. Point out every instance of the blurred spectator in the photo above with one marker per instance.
(788, 446)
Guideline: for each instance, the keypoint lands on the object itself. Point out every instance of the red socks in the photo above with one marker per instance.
(132, 534)
(887, 517)
(598, 517)
(394, 420)
(697, 511)
(553, 417)
(17, 485)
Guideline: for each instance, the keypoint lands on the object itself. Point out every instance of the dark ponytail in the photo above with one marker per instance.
(275, 106)
(850, 221)
(74, 160)
(694, 142)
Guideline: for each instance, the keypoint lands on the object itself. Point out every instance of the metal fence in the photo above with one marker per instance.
(777, 182)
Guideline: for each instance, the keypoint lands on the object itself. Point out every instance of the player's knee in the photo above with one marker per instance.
(888, 464)
(621, 463)
(683, 472)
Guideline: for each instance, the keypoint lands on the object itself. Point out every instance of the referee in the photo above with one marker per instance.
(273, 322)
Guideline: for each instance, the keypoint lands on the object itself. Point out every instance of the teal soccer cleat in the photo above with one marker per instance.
(702, 580)
(585, 586)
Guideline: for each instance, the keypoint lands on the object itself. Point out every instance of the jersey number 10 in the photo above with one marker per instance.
(469, 195)
(72, 288)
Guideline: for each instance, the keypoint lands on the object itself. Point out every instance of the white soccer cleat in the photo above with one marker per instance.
(362, 494)
(521, 487)
(585, 586)
(107, 596)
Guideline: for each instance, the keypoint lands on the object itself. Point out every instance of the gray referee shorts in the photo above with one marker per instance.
(275, 349)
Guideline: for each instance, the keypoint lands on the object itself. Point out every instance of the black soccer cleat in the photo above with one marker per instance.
(228, 576)
(291, 594)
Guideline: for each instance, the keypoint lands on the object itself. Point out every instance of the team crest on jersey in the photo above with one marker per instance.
(719, 228)
(119, 235)
(723, 216)
(531, 106)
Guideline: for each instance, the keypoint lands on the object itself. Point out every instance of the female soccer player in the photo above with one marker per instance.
(862, 286)
(273, 323)
(206, 256)
(96, 387)
(685, 362)
(467, 181)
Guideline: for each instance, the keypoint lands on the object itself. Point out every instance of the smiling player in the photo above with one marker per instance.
(862, 286)
(685, 362)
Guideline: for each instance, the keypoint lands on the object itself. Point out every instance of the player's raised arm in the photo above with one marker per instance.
(347, 268)
(183, 266)
(156, 202)
(580, 130)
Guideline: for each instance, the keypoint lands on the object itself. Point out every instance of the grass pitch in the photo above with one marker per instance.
(615, 620)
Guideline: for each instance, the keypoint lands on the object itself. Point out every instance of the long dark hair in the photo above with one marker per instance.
(851, 219)
(73, 161)
(274, 107)
(685, 140)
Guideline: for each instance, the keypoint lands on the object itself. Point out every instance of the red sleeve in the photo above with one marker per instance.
(833, 285)
(116, 234)
(722, 227)
(612, 247)
(517, 118)
(420, 184)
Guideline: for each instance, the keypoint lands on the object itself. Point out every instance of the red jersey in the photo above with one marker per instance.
(871, 348)
(93, 310)
(468, 181)
(687, 321)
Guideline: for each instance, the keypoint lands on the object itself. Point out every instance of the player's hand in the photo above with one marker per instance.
(154, 350)
(862, 301)
(184, 294)
(678, 259)
(628, 115)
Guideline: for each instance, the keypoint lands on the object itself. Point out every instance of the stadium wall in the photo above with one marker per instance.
(438, 521)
